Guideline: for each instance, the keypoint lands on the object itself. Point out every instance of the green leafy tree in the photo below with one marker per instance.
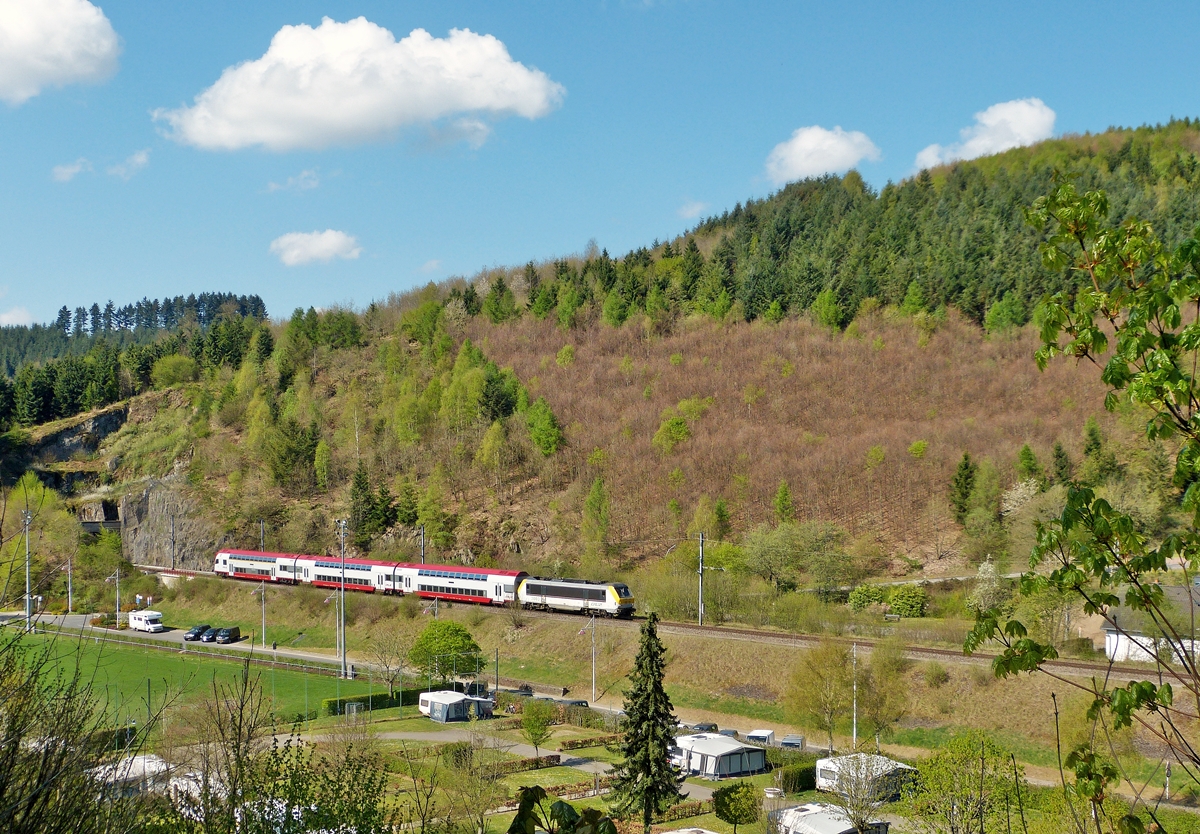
(174, 370)
(322, 463)
(784, 511)
(826, 311)
(914, 300)
(544, 430)
(1005, 314)
(968, 785)
(962, 486)
(444, 648)
(864, 596)
(819, 690)
(1132, 294)
(737, 804)
(594, 530)
(615, 310)
(644, 782)
(537, 720)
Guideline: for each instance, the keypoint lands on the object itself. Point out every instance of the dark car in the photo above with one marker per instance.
(705, 727)
(229, 635)
(210, 635)
(730, 733)
(196, 632)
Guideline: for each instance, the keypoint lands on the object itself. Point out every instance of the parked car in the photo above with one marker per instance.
(229, 635)
(575, 703)
(196, 632)
(730, 733)
(704, 727)
(210, 635)
(795, 742)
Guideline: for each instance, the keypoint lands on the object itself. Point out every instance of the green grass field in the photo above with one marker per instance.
(122, 676)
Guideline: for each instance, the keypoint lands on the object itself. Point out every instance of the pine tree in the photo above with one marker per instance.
(1028, 465)
(594, 530)
(962, 486)
(645, 782)
(1092, 439)
(406, 504)
(783, 503)
(1062, 464)
(723, 519)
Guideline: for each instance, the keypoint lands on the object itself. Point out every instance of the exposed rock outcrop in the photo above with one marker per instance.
(146, 518)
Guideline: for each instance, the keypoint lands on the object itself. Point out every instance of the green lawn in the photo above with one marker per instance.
(122, 676)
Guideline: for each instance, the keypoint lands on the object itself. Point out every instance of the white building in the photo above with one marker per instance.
(1131, 635)
(816, 818)
(716, 756)
(885, 777)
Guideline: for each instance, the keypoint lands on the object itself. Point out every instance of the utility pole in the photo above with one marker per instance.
(116, 577)
(262, 536)
(422, 544)
(854, 678)
(70, 600)
(262, 590)
(701, 572)
(342, 607)
(172, 541)
(27, 517)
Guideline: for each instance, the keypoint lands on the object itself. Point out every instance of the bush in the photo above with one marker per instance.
(798, 778)
(864, 596)
(174, 370)
(337, 706)
(935, 674)
(909, 601)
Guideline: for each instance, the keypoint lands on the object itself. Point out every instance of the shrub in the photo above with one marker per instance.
(798, 778)
(935, 674)
(174, 370)
(671, 432)
(864, 596)
(909, 601)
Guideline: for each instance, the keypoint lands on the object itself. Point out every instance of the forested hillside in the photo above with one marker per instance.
(805, 379)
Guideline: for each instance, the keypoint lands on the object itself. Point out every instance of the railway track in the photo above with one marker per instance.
(799, 640)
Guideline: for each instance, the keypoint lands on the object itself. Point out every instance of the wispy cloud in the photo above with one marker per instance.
(431, 266)
(1009, 124)
(304, 181)
(300, 248)
(132, 164)
(15, 316)
(814, 150)
(68, 172)
(692, 209)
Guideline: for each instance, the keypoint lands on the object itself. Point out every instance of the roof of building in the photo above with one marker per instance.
(712, 744)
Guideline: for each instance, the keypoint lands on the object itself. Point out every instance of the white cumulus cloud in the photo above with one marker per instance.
(1009, 124)
(299, 248)
(304, 181)
(353, 82)
(132, 164)
(692, 209)
(812, 151)
(15, 316)
(431, 266)
(49, 43)
(68, 171)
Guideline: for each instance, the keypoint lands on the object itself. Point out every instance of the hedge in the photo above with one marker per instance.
(798, 777)
(380, 700)
(598, 741)
(522, 765)
(684, 810)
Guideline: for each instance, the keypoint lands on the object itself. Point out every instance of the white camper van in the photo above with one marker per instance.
(146, 621)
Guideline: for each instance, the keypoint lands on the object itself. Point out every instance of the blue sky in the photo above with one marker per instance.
(613, 121)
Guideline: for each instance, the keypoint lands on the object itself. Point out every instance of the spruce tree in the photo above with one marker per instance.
(645, 782)
(723, 520)
(1062, 464)
(962, 486)
(1028, 465)
(783, 503)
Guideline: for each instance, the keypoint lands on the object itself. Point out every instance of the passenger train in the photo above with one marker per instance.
(455, 583)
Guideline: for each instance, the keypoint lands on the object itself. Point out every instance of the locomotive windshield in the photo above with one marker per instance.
(622, 590)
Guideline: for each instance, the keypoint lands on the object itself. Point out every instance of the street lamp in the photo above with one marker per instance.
(116, 577)
(70, 601)
(27, 517)
(337, 629)
(262, 589)
(592, 626)
(341, 523)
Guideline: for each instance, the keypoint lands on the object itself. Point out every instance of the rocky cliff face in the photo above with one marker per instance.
(146, 521)
(82, 437)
